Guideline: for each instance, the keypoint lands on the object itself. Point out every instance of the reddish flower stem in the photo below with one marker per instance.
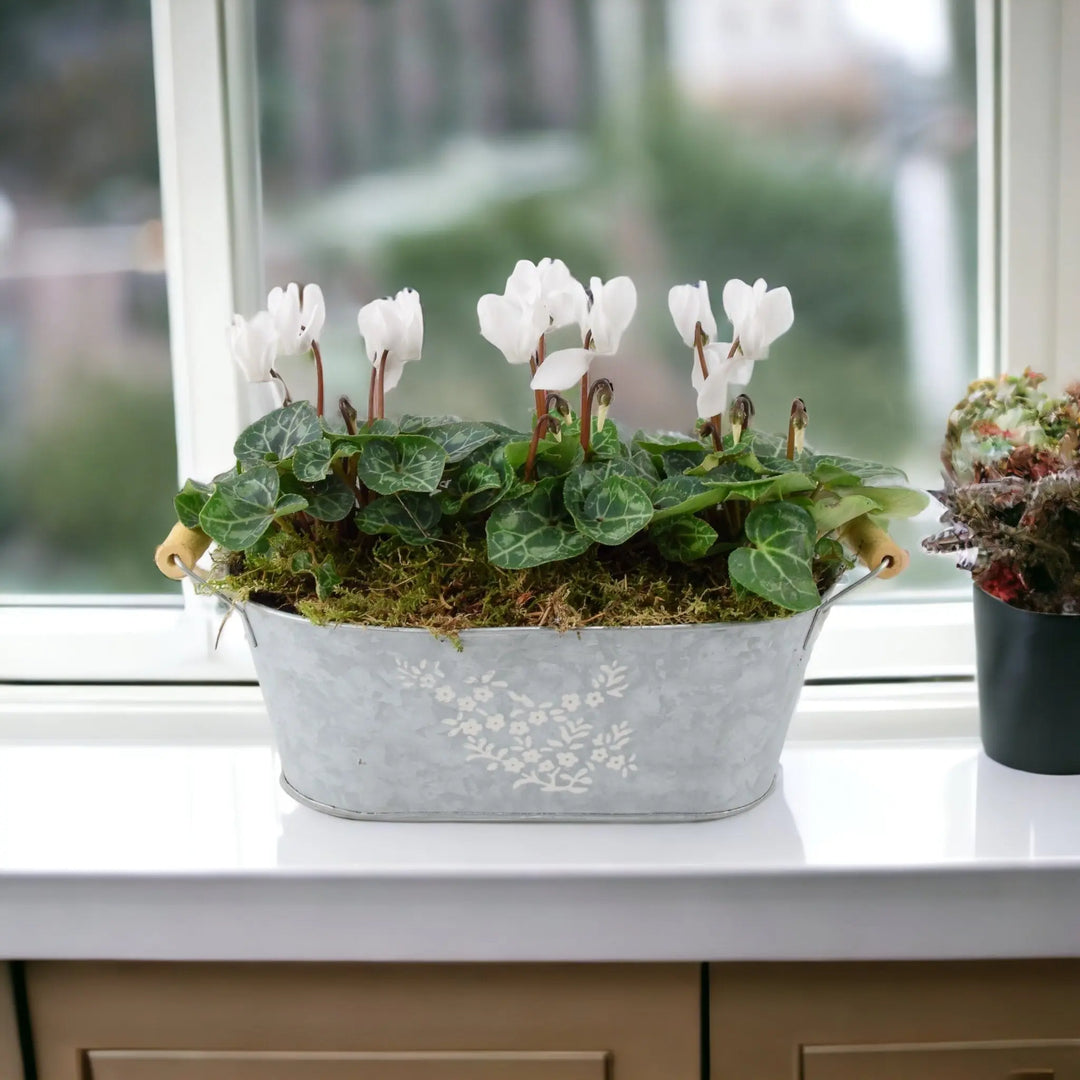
(320, 391)
(547, 421)
(534, 363)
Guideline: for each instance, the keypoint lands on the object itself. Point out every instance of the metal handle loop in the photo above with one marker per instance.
(828, 602)
(206, 583)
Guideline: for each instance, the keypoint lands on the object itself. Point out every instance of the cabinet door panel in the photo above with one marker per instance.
(820, 1021)
(1033, 1060)
(197, 1065)
(10, 1058)
(121, 1021)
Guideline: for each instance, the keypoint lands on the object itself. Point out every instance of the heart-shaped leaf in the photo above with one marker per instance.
(891, 502)
(189, 502)
(474, 489)
(460, 439)
(683, 539)
(533, 529)
(411, 516)
(831, 512)
(401, 463)
(779, 565)
(864, 470)
(241, 508)
(330, 499)
(313, 460)
(768, 487)
(554, 457)
(275, 436)
(614, 510)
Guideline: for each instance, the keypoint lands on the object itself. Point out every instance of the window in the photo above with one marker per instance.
(832, 146)
(87, 445)
(828, 146)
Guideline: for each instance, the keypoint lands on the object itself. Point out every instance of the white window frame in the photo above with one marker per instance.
(205, 77)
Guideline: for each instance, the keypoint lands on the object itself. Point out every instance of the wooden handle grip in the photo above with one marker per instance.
(872, 544)
(188, 545)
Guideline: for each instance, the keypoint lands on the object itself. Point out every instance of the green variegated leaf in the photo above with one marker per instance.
(327, 578)
(313, 460)
(832, 511)
(659, 442)
(763, 442)
(864, 470)
(683, 539)
(623, 509)
(411, 516)
(275, 436)
(189, 502)
(533, 529)
(779, 565)
(605, 442)
(678, 462)
(766, 488)
(401, 463)
(676, 490)
(325, 573)
(554, 457)
(890, 502)
(475, 489)
(644, 465)
(289, 503)
(419, 425)
(301, 561)
(460, 439)
(330, 499)
(241, 508)
(615, 510)
(825, 472)
(829, 550)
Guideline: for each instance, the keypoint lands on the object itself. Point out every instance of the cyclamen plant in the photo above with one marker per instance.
(1012, 491)
(332, 494)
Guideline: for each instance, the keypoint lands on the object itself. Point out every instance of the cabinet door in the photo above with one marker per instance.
(193, 1065)
(990, 1020)
(1035, 1060)
(130, 1021)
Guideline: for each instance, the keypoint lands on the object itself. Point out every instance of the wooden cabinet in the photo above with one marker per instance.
(129, 1021)
(10, 1059)
(1008, 1020)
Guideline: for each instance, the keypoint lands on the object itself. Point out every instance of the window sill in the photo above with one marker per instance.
(148, 824)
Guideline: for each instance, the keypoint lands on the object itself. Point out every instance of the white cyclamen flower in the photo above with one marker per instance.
(712, 391)
(758, 314)
(515, 320)
(298, 316)
(609, 313)
(561, 294)
(689, 305)
(254, 345)
(394, 326)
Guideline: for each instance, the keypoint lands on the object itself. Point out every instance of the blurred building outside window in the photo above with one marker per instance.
(87, 442)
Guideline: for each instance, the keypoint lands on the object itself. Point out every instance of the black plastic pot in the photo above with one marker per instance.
(1029, 686)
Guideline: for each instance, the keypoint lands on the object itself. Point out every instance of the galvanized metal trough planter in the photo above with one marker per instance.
(673, 723)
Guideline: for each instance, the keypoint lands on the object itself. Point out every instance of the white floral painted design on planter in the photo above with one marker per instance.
(558, 745)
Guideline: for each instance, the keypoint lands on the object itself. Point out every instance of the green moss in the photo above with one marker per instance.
(450, 586)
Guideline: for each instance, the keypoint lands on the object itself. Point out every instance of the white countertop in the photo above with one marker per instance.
(117, 848)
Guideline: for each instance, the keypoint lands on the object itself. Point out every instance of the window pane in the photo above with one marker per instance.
(827, 145)
(87, 446)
